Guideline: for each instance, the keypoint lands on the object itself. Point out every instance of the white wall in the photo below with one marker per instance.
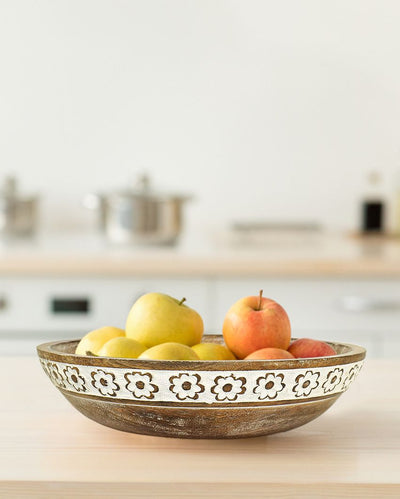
(262, 109)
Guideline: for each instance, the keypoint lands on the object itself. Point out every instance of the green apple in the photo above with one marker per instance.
(213, 351)
(93, 341)
(169, 351)
(158, 318)
(122, 347)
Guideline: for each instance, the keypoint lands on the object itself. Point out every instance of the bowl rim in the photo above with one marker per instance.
(51, 351)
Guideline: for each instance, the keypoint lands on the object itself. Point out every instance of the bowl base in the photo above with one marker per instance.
(200, 422)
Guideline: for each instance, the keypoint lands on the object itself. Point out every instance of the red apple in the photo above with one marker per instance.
(253, 323)
(306, 347)
(269, 353)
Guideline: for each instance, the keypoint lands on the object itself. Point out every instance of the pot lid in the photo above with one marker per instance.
(143, 189)
(9, 191)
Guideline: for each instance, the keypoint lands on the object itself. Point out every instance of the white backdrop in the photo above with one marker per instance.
(261, 109)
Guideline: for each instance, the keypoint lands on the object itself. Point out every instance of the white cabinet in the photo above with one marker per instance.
(35, 310)
(363, 311)
(76, 305)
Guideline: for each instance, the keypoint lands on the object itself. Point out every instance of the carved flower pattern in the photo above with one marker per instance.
(305, 384)
(139, 384)
(269, 386)
(186, 386)
(55, 374)
(206, 387)
(228, 387)
(332, 380)
(44, 365)
(105, 383)
(74, 379)
(351, 376)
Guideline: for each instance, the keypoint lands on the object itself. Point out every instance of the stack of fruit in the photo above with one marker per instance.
(160, 327)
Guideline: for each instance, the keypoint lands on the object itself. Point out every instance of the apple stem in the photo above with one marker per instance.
(259, 303)
(183, 299)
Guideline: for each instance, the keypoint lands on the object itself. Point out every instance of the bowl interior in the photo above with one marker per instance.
(345, 353)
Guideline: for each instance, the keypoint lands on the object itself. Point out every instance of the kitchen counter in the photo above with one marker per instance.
(320, 254)
(48, 449)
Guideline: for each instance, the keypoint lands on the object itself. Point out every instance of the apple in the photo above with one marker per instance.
(306, 347)
(255, 322)
(213, 351)
(269, 353)
(158, 318)
(94, 340)
(169, 351)
(122, 346)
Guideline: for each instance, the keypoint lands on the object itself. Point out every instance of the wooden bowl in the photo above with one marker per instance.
(200, 399)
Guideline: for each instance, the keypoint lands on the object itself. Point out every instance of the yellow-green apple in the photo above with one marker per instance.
(158, 318)
(269, 353)
(305, 347)
(94, 340)
(255, 322)
(122, 347)
(169, 351)
(213, 351)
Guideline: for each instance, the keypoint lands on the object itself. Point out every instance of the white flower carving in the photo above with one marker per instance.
(333, 379)
(140, 385)
(305, 383)
(228, 387)
(74, 379)
(104, 383)
(186, 386)
(45, 367)
(351, 376)
(55, 374)
(269, 386)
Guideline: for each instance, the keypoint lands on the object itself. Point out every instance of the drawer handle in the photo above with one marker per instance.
(70, 306)
(3, 303)
(363, 304)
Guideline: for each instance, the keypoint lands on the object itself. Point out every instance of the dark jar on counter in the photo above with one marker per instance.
(373, 207)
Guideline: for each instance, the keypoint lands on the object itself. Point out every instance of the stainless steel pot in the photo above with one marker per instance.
(18, 214)
(140, 215)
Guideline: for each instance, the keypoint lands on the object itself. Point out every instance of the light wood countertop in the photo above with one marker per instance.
(326, 254)
(48, 449)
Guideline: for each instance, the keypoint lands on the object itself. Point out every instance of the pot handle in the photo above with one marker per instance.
(92, 201)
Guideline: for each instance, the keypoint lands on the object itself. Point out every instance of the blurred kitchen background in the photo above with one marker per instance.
(235, 145)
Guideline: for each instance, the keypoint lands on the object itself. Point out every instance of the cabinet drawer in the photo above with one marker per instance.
(78, 305)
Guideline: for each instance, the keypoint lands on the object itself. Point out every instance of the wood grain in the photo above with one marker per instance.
(172, 414)
(202, 422)
(201, 490)
(200, 267)
(48, 449)
(333, 255)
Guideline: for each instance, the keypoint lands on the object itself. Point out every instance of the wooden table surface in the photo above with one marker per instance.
(48, 449)
(325, 254)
